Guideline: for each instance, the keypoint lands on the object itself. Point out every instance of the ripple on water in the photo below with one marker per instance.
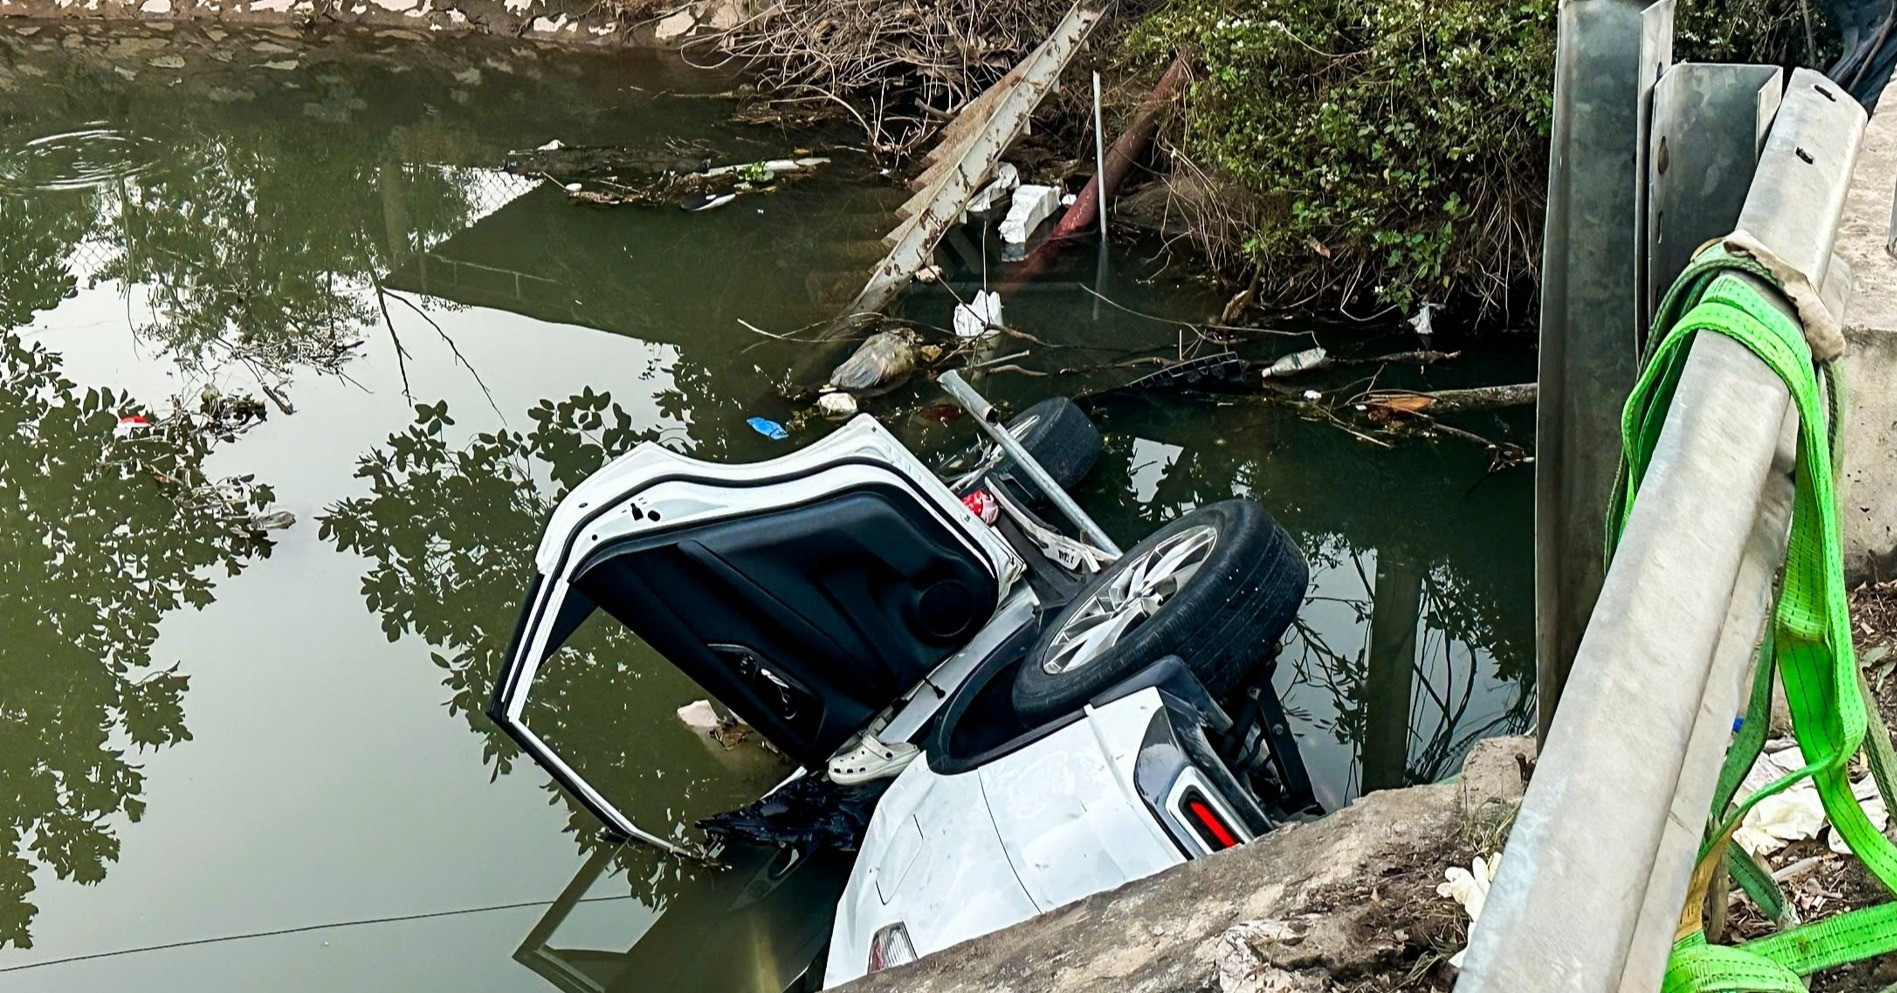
(72, 160)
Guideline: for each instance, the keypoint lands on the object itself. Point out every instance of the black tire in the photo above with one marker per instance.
(1222, 622)
(1060, 436)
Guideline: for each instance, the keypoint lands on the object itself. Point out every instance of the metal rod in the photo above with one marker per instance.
(971, 401)
(1099, 160)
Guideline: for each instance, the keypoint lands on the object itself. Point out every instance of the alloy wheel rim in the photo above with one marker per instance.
(1135, 593)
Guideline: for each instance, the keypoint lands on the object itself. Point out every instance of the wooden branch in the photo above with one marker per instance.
(1386, 404)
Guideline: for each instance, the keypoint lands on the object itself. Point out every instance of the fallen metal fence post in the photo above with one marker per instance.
(1594, 874)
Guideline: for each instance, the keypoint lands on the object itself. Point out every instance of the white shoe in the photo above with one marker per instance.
(866, 757)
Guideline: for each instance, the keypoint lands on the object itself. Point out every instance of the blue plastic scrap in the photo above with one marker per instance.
(768, 428)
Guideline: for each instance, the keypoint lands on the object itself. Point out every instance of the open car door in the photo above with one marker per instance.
(805, 594)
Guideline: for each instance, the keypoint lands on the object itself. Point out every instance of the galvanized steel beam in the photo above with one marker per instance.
(1650, 690)
(1609, 55)
(1797, 198)
(1592, 881)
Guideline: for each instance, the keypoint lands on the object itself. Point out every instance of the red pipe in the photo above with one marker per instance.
(1125, 152)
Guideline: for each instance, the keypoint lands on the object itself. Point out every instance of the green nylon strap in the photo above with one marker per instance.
(1697, 967)
(1746, 746)
(1757, 882)
(1810, 636)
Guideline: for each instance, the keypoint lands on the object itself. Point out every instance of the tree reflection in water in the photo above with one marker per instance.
(251, 241)
(449, 534)
(1413, 697)
(103, 536)
(260, 232)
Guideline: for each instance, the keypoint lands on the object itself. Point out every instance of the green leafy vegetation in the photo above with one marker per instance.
(1387, 152)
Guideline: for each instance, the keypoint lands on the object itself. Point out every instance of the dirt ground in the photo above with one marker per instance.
(1817, 881)
(1428, 928)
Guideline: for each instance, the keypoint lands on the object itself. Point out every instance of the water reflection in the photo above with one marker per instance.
(249, 218)
(450, 533)
(275, 228)
(103, 536)
(270, 247)
(756, 925)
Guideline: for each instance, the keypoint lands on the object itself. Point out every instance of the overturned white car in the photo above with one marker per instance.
(1027, 715)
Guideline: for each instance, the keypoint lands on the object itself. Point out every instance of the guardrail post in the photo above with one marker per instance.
(1609, 54)
(1709, 126)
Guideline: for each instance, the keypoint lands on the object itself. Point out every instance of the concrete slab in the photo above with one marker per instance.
(1868, 492)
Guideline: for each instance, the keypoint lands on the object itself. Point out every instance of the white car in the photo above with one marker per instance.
(1043, 717)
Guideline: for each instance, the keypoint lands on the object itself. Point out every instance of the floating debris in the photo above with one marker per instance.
(1309, 360)
(837, 405)
(707, 201)
(768, 428)
(1032, 206)
(1219, 370)
(685, 177)
(943, 413)
(979, 317)
(881, 364)
(702, 717)
(996, 193)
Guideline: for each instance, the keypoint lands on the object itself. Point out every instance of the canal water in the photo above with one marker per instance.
(249, 274)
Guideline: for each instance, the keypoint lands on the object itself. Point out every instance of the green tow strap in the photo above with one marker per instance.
(1808, 643)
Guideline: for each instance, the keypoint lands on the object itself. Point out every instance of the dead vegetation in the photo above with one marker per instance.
(899, 70)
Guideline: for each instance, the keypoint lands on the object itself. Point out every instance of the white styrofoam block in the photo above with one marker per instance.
(1032, 205)
(1007, 177)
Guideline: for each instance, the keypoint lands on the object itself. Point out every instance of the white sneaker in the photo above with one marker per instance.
(866, 757)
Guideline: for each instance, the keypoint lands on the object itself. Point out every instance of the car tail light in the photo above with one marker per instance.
(890, 947)
(1207, 822)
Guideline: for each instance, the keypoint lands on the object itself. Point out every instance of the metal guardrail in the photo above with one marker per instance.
(1609, 56)
(1596, 870)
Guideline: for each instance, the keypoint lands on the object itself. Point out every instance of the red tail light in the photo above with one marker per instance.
(1208, 823)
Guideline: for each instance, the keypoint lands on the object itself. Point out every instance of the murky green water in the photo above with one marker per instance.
(207, 731)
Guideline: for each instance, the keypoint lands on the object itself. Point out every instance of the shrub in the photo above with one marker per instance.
(1387, 151)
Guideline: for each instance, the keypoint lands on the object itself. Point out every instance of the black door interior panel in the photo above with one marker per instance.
(807, 620)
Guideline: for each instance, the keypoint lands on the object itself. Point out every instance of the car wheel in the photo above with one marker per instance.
(1217, 587)
(1060, 436)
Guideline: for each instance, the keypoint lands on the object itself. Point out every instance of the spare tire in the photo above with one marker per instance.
(1217, 587)
(1060, 436)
